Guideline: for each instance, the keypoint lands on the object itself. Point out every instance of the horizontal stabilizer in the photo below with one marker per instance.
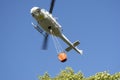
(74, 45)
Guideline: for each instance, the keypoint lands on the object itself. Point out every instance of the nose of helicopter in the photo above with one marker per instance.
(35, 11)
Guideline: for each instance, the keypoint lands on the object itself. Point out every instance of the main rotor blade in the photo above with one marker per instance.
(51, 6)
(45, 42)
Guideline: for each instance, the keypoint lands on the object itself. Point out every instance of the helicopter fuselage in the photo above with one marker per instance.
(46, 21)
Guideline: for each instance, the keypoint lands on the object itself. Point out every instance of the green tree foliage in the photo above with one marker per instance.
(69, 74)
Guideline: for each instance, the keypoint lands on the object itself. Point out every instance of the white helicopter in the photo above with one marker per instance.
(49, 25)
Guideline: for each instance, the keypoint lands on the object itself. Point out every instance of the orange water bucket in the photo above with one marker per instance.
(62, 56)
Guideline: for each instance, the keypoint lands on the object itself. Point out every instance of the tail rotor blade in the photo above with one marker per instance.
(52, 6)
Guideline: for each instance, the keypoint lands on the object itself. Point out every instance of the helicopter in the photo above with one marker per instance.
(48, 25)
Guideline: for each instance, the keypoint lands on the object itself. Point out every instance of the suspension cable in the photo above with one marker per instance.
(56, 42)
(59, 45)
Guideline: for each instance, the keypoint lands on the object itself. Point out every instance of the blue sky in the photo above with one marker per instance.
(96, 23)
